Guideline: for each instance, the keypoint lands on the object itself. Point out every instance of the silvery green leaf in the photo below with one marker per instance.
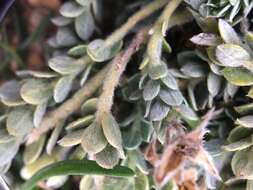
(5, 136)
(33, 151)
(206, 39)
(194, 70)
(187, 112)
(10, 93)
(215, 69)
(65, 37)
(249, 39)
(141, 182)
(239, 145)
(78, 50)
(36, 74)
(65, 65)
(71, 9)
(171, 97)
(39, 114)
(146, 130)
(81, 122)
(249, 185)
(89, 106)
(151, 90)
(56, 181)
(100, 52)
(85, 75)
(4, 169)
(8, 151)
(158, 111)
(231, 89)
(19, 122)
(61, 21)
(139, 160)
(35, 91)
(158, 71)
(239, 133)
(62, 88)
(86, 183)
(242, 164)
(72, 138)
(213, 83)
(84, 2)
(238, 76)
(84, 25)
(231, 55)
(78, 153)
(93, 140)
(108, 157)
(170, 81)
(111, 130)
(142, 80)
(128, 120)
(228, 34)
(246, 121)
(54, 137)
(235, 10)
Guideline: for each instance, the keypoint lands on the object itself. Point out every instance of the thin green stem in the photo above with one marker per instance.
(133, 20)
(154, 48)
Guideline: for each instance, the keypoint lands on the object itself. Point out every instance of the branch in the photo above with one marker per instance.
(117, 67)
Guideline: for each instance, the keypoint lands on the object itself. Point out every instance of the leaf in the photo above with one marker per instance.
(5, 137)
(39, 114)
(194, 69)
(187, 112)
(85, 75)
(33, 151)
(71, 139)
(62, 88)
(93, 140)
(171, 97)
(86, 183)
(90, 106)
(71, 9)
(249, 39)
(132, 137)
(238, 133)
(36, 91)
(214, 83)
(99, 51)
(36, 74)
(61, 21)
(84, 2)
(158, 71)
(75, 167)
(242, 164)
(141, 182)
(170, 81)
(146, 130)
(111, 131)
(246, 121)
(206, 39)
(84, 25)
(8, 151)
(227, 33)
(19, 122)
(239, 145)
(10, 93)
(158, 111)
(81, 122)
(78, 50)
(238, 76)
(108, 157)
(231, 55)
(65, 37)
(151, 90)
(65, 65)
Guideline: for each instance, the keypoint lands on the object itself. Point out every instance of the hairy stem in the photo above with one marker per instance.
(117, 67)
(159, 31)
(133, 20)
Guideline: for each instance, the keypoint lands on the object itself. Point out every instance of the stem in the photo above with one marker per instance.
(133, 20)
(117, 67)
(70, 106)
(154, 48)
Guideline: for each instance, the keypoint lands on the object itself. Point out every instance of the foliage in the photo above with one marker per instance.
(161, 89)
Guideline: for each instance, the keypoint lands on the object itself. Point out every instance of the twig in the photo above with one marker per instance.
(117, 67)
(133, 20)
(70, 106)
